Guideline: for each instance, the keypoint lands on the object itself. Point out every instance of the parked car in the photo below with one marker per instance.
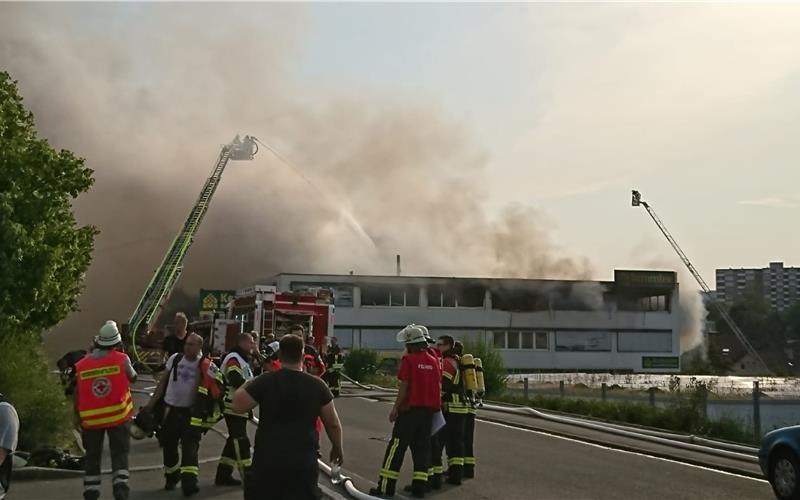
(779, 458)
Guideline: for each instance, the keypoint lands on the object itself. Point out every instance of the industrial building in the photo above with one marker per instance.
(630, 324)
(778, 285)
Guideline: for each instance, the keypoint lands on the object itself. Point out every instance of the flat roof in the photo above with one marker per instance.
(412, 278)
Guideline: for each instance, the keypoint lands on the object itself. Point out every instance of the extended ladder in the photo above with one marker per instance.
(166, 275)
(636, 201)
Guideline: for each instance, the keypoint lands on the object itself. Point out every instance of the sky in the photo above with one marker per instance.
(577, 104)
(444, 129)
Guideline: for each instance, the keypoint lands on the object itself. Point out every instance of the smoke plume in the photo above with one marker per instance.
(148, 92)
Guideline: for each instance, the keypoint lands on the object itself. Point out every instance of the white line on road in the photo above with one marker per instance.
(624, 451)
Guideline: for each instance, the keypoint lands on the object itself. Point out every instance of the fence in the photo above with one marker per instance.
(755, 411)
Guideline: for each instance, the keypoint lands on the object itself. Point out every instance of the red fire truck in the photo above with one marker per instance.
(263, 309)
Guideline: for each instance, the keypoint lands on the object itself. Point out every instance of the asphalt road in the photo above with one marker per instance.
(513, 463)
(524, 464)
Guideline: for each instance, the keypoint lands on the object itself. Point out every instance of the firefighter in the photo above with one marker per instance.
(469, 376)
(236, 370)
(191, 387)
(454, 408)
(104, 406)
(334, 360)
(417, 401)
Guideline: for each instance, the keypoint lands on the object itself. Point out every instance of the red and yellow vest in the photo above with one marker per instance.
(104, 396)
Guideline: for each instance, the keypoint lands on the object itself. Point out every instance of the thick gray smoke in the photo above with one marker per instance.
(148, 92)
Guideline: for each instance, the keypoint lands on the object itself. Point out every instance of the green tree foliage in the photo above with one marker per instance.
(494, 373)
(43, 258)
(45, 414)
(43, 252)
(766, 329)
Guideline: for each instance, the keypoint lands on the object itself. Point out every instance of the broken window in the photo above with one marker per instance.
(470, 296)
(372, 295)
(519, 299)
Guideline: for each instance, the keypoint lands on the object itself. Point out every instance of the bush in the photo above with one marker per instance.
(359, 363)
(494, 373)
(682, 418)
(45, 414)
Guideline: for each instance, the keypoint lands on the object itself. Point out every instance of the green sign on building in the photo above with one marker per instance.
(215, 300)
(661, 362)
(648, 279)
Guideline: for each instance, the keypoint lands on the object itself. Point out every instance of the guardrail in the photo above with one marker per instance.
(690, 442)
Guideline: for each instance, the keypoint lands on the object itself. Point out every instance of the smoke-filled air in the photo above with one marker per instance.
(147, 93)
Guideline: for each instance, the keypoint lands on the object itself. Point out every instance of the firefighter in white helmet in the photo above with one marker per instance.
(418, 399)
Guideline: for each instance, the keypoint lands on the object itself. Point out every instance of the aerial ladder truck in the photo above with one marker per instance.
(636, 201)
(166, 275)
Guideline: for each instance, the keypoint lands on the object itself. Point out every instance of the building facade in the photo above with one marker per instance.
(630, 324)
(778, 285)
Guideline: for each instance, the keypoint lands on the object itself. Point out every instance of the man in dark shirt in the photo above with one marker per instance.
(174, 343)
(285, 458)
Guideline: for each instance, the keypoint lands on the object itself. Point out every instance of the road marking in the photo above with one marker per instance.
(369, 400)
(623, 451)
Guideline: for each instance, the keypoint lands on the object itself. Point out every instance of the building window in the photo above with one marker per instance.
(646, 304)
(389, 295)
(372, 295)
(644, 342)
(455, 296)
(499, 340)
(343, 296)
(470, 296)
(583, 341)
(513, 340)
(541, 341)
(526, 340)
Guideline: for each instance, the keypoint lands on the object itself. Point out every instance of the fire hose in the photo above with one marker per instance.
(336, 476)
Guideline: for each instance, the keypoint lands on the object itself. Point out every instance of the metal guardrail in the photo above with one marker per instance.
(690, 442)
(625, 433)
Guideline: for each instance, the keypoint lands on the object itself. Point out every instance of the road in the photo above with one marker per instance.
(513, 463)
(523, 464)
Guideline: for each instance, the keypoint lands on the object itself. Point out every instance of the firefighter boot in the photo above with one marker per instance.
(435, 482)
(225, 477)
(189, 485)
(454, 474)
(417, 489)
(469, 471)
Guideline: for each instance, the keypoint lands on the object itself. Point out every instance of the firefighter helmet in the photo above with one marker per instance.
(413, 334)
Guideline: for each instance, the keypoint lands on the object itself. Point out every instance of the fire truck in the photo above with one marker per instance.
(263, 309)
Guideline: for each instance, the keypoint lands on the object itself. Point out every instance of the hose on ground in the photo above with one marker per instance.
(345, 481)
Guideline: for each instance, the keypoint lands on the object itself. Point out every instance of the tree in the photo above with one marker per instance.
(43, 252)
(43, 258)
